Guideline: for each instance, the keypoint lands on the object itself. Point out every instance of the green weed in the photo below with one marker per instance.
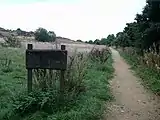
(86, 90)
(150, 76)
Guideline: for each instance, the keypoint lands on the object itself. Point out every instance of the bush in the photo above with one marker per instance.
(42, 35)
(147, 67)
(48, 101)
(100, 55)
(150, 58)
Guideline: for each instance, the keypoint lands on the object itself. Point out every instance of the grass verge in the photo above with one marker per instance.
(90, 105)
(87, 105)
(12, 78)
(150, 77)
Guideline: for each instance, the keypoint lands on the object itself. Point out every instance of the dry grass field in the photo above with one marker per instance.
(71, 46)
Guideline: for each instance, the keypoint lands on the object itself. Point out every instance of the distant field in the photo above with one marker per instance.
(71, 46)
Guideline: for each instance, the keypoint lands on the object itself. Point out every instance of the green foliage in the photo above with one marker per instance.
(90, 105)
(6, 65)
(104, 41)
(43, 35)
(150, 76)
(109, 40)
(19, 31)
(86, 90)
(90, 42)
(122, 39)
(79, 41)
(143, 36)
(48, 102)
(12, 79)
(144, 32)
(49, 79)
(97, 42)
(100, 55)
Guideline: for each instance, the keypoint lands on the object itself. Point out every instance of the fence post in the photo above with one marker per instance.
(56, 44)
(29, 76)
(63, 47)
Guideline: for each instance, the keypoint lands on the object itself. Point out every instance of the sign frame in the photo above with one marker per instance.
(46, 60)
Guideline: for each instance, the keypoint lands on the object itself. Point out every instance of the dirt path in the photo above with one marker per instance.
(132, 101)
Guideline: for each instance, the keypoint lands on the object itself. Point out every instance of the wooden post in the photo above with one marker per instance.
(56, 44)
(29, 76)
(63, 47)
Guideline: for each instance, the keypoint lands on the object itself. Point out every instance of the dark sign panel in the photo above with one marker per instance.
(46, 59)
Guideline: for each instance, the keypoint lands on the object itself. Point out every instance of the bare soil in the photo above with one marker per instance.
(132, 100)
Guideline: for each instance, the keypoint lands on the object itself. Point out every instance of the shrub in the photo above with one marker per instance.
(43, 35)
(150, 58)
(100, 55)
(147, 67)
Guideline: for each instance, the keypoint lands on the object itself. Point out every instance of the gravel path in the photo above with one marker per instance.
(132, 101)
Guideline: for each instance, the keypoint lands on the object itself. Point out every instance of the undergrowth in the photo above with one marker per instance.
(86, 89)
(149, 76)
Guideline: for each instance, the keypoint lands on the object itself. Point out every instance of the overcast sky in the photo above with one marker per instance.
(75, 19)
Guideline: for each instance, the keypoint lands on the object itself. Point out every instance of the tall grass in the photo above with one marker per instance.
(86, 89)
(147, 67)
(150, 58)
(12, 78)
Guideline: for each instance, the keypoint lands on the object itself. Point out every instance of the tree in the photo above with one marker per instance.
(52, 35)
(43, 35)
(97, 42)
(145, 31)
(110, 39)
(91, 42)
(122, 39)
(79, 41)
(107, 41)
(103, 41)
(19, 31)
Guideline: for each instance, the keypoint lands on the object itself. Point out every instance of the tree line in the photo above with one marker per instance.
(41, 34)
(143, 33)
(104, 41)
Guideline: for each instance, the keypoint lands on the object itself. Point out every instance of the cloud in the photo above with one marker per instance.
(84, 19)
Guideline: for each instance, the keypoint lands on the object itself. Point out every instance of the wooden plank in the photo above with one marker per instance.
(46, 59)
